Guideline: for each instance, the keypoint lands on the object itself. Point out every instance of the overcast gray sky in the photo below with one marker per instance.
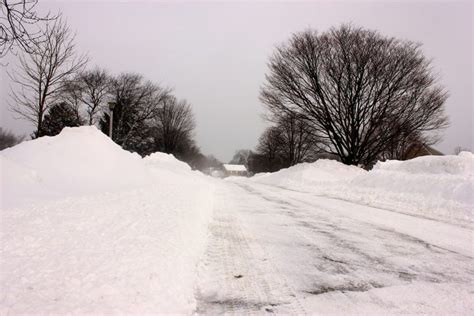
(214, 54)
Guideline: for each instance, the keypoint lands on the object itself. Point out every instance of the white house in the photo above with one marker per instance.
(235, 170)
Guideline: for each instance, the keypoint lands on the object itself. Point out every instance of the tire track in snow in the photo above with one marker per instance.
(335, 229)
(236, 275)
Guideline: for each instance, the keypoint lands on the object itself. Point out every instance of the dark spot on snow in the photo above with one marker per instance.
(333, 260)
(376, 285)
(406, 276)
(350, 287)
(234, 304)
(238, 276)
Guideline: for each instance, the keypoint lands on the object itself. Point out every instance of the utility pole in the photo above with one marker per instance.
(111, 117)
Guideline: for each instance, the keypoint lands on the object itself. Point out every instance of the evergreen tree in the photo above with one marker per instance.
(59, 116)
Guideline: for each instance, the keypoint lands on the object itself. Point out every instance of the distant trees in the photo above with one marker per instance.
(54, 91)
(147, 118)
(362, 94)
(241, 157)
(459, 149)
(290, 141)
(59, 115)
(210, 162)
(136, 103)
(8, 139)
(298, 141)
(43, 73)
(174, 125)
(90, 88)
(20, 25)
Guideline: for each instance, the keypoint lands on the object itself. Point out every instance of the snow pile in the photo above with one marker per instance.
(438, 187)
(323, 172)
(165, 161)
(434, 186)
(129, 243)
(77, 161)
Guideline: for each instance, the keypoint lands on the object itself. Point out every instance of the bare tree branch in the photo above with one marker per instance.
(20, 25)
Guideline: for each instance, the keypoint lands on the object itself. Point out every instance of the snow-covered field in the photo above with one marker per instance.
(88, 228)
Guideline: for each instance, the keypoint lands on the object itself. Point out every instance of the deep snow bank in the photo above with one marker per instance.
(434, 186)
(77, 161)
(438, 187)
(105, 231)
(304, 175)
(162, 161)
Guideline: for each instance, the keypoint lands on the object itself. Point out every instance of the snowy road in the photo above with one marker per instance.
(281, 251)
(138, 236)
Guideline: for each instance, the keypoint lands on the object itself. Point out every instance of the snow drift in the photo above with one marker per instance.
(90, 228)
(438, 187)
(320, 173)
(77, 161)
(162, 161)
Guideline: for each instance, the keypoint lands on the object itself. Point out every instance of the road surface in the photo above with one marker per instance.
(278, 251)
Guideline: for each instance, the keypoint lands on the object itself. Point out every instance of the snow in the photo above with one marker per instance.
(298, 253)
(76, 162)
(436, 187)
(303, 175)
(166, 162)
(90, 228)
(230, 167)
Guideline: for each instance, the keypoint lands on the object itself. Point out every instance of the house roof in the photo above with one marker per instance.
(230, 167)
(417, 150)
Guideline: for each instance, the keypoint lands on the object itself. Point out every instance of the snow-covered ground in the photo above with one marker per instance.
(274, 250)
(87, 228)
(435, 187)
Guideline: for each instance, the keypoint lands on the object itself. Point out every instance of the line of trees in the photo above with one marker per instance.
(288, 141)
(54, 90)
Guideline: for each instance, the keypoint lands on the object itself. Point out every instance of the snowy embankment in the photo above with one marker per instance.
(436, 187)
(87, 227)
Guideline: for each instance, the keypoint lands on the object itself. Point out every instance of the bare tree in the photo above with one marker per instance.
(136, 103)
(270, 143)
(357, 88)
(43, 73)
(268, 155)
(298, 139)
(175, 124)
(20, 25)
(89, 88)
